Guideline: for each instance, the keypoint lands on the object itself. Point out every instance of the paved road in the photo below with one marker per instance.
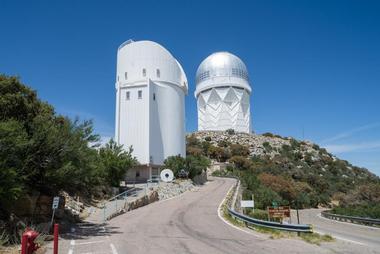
(362, 235)
(186, 224)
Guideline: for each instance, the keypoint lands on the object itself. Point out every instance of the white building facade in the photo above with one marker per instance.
(150, 105)
(223, 94)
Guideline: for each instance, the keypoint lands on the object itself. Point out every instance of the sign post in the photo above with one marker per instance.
(54, 206)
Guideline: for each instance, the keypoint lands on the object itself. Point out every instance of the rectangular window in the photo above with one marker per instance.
(126, 75)
(144, 72)
(154, 96)
(139, 94)
(158, 73)
(127, 95)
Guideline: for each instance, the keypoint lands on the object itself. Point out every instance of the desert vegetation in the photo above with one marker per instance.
(290, 172)
(43, 153)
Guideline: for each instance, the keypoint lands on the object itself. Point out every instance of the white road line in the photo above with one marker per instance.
(348, 223)
(228, 223)
(71, 249)
(84, 243)
(114, 251)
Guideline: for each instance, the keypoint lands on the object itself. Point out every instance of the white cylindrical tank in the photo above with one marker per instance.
(150, 102)
(223, 93)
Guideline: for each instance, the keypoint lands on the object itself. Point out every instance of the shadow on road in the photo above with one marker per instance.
(87, 230)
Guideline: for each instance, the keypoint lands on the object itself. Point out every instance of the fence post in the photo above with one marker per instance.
(56, 231)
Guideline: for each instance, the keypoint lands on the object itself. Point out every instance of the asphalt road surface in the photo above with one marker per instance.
(187, 224)
(359, 234)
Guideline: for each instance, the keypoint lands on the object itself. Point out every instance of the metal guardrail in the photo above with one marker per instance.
(352, 219)
(270, 224)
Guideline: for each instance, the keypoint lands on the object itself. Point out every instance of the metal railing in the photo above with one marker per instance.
(117, 203)
(352, 219)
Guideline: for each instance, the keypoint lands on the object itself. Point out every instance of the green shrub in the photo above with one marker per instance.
(257, 214)
(267, 146)
(366, 210)
(230, 131)
(175, 163)
(241, 162)
(239, 150)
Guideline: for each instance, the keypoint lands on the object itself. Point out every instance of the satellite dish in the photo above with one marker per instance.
(167, 175)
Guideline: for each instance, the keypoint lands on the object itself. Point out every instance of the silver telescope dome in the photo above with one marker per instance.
(221, 64)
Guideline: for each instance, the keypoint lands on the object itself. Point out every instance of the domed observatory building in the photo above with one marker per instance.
(150, 105)
(222, 93)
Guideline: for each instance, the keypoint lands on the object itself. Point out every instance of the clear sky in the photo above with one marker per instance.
(314, 65)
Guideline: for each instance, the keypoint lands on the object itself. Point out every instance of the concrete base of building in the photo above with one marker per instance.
(142, 173)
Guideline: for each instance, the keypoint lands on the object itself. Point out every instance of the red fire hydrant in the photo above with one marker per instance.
(28, 246)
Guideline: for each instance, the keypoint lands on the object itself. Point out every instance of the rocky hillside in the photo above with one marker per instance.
(272, 146)
(283, 168)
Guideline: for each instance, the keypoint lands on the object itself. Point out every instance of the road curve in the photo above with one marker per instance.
(186, 224)
(360, 234)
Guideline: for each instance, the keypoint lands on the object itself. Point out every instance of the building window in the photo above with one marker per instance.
(144, 72)
(138, 173)
(126, 75)
(158, 73)
(128, 95)
(154, 96)
(139, 94)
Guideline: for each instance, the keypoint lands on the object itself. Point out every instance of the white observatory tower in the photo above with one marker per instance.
(150, 105)
(222, 92)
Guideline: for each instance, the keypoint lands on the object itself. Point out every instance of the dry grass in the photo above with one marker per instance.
(315, 238)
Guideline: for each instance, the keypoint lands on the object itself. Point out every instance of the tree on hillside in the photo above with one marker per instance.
(284, 187)
(196, 165)
(192, 164)
(175, 163)
(115, 161)
(46, 152)
(13, 143)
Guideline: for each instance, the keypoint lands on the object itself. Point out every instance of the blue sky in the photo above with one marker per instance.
(314, 65)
